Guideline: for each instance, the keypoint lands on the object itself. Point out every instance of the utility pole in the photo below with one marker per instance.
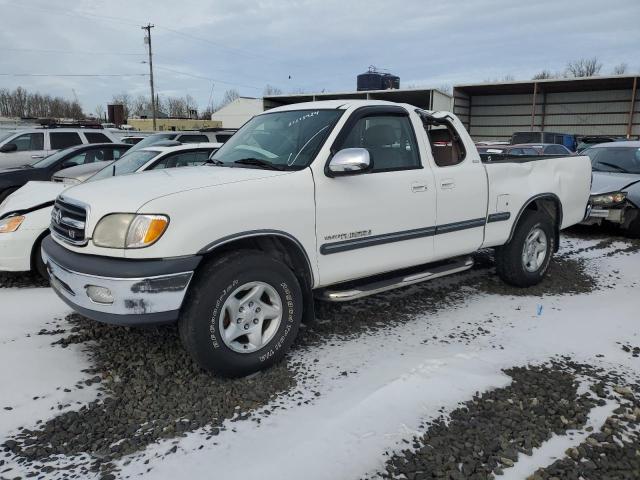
(147, 40)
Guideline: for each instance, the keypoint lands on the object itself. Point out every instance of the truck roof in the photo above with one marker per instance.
(334, 104)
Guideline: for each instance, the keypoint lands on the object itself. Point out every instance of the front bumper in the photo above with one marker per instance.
(142, 292)
(16, 248)
(597, 214)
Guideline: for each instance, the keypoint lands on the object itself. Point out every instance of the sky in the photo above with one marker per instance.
(204, 47)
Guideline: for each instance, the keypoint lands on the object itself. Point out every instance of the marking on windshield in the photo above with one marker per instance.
(303, 117)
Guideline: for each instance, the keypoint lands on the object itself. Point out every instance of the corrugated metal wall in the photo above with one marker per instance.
(497, 116)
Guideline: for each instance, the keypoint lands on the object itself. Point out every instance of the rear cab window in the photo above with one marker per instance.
(60, 140)
(193, 138)
(97, 137)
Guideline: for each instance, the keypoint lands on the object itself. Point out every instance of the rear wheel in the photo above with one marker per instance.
(524, 261)
(242, 313)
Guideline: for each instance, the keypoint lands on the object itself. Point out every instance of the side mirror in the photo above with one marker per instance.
(8, 147)
(349, 161)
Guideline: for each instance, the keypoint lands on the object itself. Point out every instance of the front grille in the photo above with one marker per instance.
(68, 221)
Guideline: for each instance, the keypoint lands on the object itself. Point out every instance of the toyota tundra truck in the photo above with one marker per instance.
(333, 200)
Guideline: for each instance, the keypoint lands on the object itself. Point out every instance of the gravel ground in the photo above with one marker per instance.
(483, 437)
(149, 389)
(21, 280)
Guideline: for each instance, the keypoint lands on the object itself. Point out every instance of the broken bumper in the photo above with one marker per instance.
(119, 291)
(597, 214)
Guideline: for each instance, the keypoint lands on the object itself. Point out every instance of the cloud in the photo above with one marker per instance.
(302, 44)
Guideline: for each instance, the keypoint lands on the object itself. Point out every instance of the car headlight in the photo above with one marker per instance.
(11, 224)
(128, 230)
(613, 198)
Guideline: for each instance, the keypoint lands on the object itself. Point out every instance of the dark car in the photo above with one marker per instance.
(12, 178)
(526, 149)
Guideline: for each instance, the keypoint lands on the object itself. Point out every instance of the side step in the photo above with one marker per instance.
(378, 285)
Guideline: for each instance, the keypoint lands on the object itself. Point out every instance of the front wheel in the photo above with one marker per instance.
(242, 314)
(524, 261)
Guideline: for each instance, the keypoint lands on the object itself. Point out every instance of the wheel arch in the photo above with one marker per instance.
(37, 244)
(546, 202)
(279, 245)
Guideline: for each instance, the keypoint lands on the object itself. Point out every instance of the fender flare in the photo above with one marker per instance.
(260, 233)
(540, 196)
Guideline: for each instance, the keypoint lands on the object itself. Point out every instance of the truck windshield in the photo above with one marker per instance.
(614, 159)
(280, 140)
(127, 164)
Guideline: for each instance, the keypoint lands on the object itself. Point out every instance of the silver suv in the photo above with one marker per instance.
(21, 147)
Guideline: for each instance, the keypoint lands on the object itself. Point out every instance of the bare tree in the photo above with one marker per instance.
(543, 75)
(228, 97)
(141, 106)
(123, 99)
(20, 103)
(584, 67)
(99, 111)
(270, 90)
(620, 69)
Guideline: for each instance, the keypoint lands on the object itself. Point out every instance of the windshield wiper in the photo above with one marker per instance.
(214, 161)
(612, 165)
(257, 162)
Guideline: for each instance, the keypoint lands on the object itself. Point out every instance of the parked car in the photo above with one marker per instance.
(25, 215)
(590, 141)
(22, 147)
(75, 175)
(493, 153)
(132, 140)
(220, 135)
(334, 199)
(567, 139)
(12, 178)
(509, 150)
(615, 193)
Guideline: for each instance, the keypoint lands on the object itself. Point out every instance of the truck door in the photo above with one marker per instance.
(381, 220)
(461, 184)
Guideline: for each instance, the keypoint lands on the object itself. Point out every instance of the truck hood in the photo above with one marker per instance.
(607, 182)
(32, 195)
(127, 193)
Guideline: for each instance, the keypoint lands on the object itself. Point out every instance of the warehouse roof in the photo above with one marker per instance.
(618, 82)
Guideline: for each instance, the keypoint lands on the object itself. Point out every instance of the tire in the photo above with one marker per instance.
(209, 306)
(513, 265)
(5, 193)
(38, 265)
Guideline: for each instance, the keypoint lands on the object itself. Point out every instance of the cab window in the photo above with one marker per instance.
(389, 139)
(29, 141)
(446, 146)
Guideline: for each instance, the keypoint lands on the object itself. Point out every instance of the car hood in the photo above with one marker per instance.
(32, 195)
(607, 182)
(127, 193)
(82, 172)
(14, 169)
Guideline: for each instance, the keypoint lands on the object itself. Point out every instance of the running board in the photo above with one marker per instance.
(365, 289)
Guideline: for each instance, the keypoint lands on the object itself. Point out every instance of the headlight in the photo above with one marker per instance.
(128, 230)
(609, 198)
(11, 224)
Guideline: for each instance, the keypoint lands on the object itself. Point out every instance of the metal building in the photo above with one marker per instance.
(581, 106)
(429, 99)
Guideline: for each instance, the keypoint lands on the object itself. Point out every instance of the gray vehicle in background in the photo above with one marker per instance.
(615, 191)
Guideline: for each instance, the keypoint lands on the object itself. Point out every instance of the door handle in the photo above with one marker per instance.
(447, 183)
(418, 187)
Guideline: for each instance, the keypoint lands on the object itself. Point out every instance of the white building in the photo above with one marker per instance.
(236, 113)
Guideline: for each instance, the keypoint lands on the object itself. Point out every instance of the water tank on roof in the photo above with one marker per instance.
(376, 80)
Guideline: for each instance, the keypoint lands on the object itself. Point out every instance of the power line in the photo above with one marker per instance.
(209, 79)
(70, 52)
(73, 74)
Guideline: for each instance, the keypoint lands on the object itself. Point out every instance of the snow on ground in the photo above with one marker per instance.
(29, 366)
(375, 390)
(400, 381)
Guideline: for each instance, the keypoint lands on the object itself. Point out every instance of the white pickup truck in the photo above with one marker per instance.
(334, 199)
